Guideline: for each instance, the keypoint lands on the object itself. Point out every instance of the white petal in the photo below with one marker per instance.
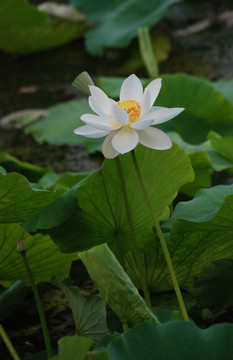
(108, 151)
(162, 114)
(154, 139)
(101, 99)
(95, 107)
(131, 89)
(146, 102)
(154, 89)
(99, 122)
(90, 132)
(119, 115)
(141, 124)
(125, 140)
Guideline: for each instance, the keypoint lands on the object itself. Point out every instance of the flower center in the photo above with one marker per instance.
(133, 109)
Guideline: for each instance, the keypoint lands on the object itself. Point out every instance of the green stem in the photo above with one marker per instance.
(8, 343)
(162, 241)
(146, 51)
(39, 307)
(125, 327)
(132, 233)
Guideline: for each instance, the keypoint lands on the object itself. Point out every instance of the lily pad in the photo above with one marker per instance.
(24, 29)
(11, 164)
(58, 127)
(225, 87)
(118, 21)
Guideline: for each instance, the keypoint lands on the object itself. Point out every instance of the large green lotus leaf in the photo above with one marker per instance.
(208, 156)
(18, 201)
(73, 348)
(52, 181)
(174, 340)
(206, 108)
(119, 20)
(43, 256)
(201, 165)
(201, 232)
(222, 144)
(213, 288)
(56, 213)
(116, 287)
(58, 127)
(225, 87)
(203, 207)
(89, 312)
(24, 29)
(11, 164)
(101, 215)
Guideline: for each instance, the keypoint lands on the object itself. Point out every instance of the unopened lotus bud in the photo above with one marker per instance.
(21, 246)
(82, 83)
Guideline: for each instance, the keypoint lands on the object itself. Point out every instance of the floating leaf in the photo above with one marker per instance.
(58, 127)
(119, 20)
(225, 87)
(24, 29)
(11, 164)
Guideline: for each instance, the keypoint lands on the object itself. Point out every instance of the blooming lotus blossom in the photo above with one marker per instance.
(129, 121)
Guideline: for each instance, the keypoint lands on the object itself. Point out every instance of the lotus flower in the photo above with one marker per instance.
(130, 120)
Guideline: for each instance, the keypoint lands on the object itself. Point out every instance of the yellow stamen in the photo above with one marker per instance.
(133, 109)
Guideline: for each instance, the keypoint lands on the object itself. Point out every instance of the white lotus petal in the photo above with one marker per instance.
(154, 139)
(108, 151)
(125, 140)
(101, 99)
(162, 114)
(154, 89)
(119, 115)
(95, 107)
(90, 132)
(131, 89)
(141, 124)
(146, 103)
(99, 122)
